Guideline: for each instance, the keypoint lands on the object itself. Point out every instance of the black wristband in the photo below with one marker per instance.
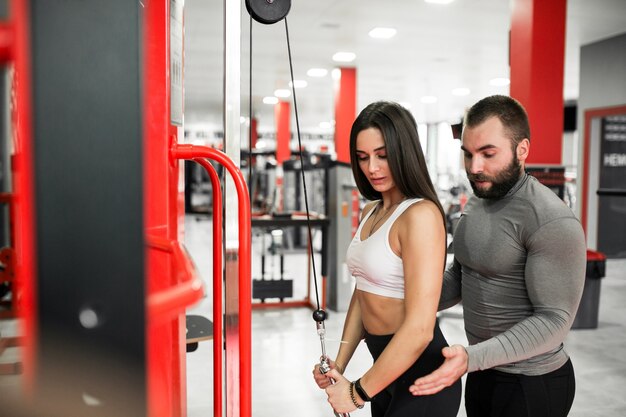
(359, 390)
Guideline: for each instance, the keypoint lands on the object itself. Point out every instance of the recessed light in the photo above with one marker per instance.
(382, 33)
(336, 74)
(499, 82)
(344, 57)
(298, 83)
(461, 91)
(317, 72)
(325, 125)
(439, 1)
(270, 100)
(428, 99)
(282, 93)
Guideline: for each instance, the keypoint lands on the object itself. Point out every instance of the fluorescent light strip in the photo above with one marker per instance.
(344, 57)
(382, 33)
(298, 83)
(317, 72)
(282, 93)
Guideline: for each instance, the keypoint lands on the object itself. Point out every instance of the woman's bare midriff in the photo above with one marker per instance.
(381, 315)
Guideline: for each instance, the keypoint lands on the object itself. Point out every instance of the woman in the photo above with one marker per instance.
(397, 258)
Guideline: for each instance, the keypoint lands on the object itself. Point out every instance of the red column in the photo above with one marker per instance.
(283, 134)
(345, 112)
(283, 137)
(537, 59)
(254, 136)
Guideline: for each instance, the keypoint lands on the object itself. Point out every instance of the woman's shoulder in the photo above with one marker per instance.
(421, 210)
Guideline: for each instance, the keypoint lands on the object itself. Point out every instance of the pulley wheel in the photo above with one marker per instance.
(268, 11)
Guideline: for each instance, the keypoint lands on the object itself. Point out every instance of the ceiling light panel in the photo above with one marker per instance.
(344, 57)
(317, 72)
(382, 33)
(282, 93)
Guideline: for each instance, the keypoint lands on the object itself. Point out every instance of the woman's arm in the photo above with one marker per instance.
(352, 334)
(421, 236)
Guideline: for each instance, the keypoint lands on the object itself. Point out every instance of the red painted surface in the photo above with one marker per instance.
(254, 134)
(537, 59)
(23, 179)
(589, 115)
(345, 112)
(218, 349)
(283, 132)
(166, 379)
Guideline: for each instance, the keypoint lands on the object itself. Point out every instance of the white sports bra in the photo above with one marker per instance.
(372, 262)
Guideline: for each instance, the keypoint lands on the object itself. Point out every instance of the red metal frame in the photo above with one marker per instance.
(22, 167)
(589, 115)
(182, 295)
(218, 356)
(306, 302)
(244, 359)
(165, 339)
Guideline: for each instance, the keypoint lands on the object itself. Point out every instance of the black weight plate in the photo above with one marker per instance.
(266, 12)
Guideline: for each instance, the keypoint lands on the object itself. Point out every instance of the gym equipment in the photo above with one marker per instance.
(319, 315)
(268, 11)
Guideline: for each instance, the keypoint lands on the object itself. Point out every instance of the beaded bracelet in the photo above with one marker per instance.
(359, 390)
(353, 398)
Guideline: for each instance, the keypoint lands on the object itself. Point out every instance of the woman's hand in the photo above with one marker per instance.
(322, 380)
(339, 393)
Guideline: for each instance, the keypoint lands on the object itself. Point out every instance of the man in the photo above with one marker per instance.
(519, 268)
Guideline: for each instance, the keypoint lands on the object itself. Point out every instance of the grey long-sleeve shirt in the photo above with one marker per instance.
(519, 268)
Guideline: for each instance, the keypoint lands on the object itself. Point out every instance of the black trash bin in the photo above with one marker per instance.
(587, 315)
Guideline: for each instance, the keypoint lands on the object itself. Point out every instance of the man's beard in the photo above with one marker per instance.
(501, 184)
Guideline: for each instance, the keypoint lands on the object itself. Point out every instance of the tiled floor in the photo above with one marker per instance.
(286, 346)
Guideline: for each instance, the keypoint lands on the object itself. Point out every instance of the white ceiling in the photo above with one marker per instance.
(437, 48)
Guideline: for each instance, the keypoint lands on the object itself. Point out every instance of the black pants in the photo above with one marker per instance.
(397, 401)
(492, 393)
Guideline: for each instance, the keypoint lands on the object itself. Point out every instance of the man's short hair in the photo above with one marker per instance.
(510, 112)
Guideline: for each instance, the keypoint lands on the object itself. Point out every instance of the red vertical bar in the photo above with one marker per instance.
(218, 346)
(254, 135)
(26, 268)
(537, 59)
(283, 133)
(241, 358)
(345, 112)
(165, 340)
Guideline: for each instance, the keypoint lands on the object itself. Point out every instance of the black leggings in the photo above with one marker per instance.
(397, 401)
(492, 393)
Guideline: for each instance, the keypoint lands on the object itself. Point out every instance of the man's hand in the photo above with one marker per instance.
(453, 367)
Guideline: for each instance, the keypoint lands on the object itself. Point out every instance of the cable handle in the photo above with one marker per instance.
(324, 368)
(319, 316)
